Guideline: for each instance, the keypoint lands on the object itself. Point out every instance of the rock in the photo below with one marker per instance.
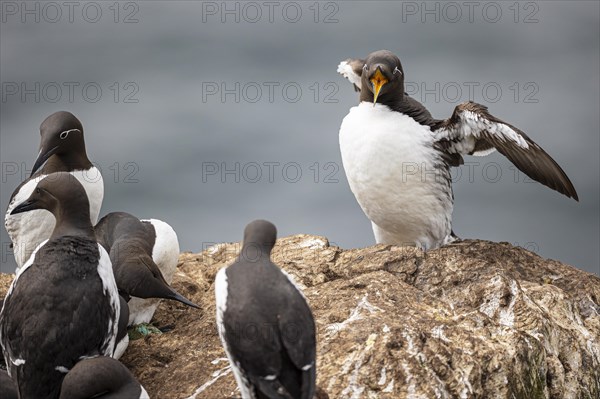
(474, 319)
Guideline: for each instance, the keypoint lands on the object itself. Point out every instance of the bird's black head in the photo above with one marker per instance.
(62, 135)
(100, 376)
(383, 78)
(260, 234)
(58, 193)
(62, 195)
(137, 275)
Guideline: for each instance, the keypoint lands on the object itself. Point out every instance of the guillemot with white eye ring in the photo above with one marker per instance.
(397, 157)
(63, 305)
(62, 149)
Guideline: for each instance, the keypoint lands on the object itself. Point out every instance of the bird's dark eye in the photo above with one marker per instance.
(365, 67)
(64, 134)
(37, 191)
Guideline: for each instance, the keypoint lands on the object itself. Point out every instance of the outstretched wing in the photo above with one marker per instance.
(351, 69)
(473, 130)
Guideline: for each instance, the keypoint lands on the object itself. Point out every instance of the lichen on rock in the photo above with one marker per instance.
(474, 319)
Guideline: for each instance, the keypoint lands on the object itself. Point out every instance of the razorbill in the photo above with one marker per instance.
(264, 322)
(63, 305)
(397, 157)
(144, 256)
(62, 149)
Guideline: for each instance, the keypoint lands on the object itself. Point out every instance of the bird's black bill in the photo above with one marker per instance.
(176, 296)
(24, 207)
(42, 158)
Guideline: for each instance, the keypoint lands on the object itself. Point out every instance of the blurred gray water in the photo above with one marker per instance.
(208, 115)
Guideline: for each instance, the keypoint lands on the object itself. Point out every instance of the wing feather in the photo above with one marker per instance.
(473, 130)
(351, 69)
(297, 328)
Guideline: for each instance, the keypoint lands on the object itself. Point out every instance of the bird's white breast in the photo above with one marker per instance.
(121, 347)
(393, 171)
(144, 393)
(165, 252)
(109, 286)
(28, 229)
(92, 182)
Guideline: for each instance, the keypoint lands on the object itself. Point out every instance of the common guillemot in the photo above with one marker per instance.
(101, 378)
(144, 255)
(62, 149)
(98, 377)
(397, 157)
(63, 305)
(265, 324)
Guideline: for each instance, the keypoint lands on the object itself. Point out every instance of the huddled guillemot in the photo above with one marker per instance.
(144, 256)
(101, 378)
(264, 322)
(62, 149)
(97, 377)
(63, 305)
(397, 157)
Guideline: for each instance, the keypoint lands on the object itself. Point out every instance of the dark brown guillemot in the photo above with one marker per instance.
(63, 305)
(265, 323)
(62, 149)
(97, 377)
(139, 252)
(101, 378)
(397, 157)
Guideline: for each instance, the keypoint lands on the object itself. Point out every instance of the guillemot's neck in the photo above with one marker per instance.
(75, 160)
(70, 223)
(403, 103)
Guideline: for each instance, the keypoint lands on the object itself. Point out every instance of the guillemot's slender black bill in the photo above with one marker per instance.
(24, 206)
(63, 305)
(42, 158)
(62, 191)
(254, 292)
(176, 296)
(140, 276)
(399, 136)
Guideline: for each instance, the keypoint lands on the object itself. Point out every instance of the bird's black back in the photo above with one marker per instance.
(56, 313)
(269, 327)
(122, 227)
